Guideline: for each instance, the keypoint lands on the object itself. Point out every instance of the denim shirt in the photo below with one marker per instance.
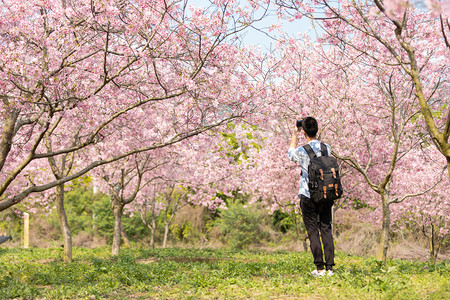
(301, 156)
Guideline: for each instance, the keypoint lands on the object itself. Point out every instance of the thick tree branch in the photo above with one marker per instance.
(10, 201)
(9, 123)
(96, 132)
(13, 174)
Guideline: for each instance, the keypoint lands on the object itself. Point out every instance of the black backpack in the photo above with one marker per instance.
(323, 172)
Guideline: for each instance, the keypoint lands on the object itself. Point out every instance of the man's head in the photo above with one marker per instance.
(310, 126)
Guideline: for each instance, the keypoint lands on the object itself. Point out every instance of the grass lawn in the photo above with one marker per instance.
(211, 274)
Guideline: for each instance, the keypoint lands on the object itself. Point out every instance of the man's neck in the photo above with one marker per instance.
(309, 139)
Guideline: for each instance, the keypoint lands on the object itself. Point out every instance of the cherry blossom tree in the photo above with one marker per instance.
(414, 40)
(80, 76)
(61, 167)
(97, 63)
(195, 173)
(359, 77)
(429, 212)
(131, 181)
(123, 181)
(151, 206)
(377, 116)
(366, 112)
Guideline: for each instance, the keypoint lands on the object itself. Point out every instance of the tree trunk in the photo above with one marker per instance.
(296, 226)
(152, 227)
(153, 230)
(385, 227)
(125, 238)
(166, 233)
(301, 234)
(333, 214)
(117, 211)
(432, 245)
(439, 138)
(65, 230)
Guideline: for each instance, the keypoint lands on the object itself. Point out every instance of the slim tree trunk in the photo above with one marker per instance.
(125, 238)
(166, 224)
(166, 233)
(333, 214)
(301, 234)
(432, 245)
(117, 211)
(304, 237)
(67, 237)
(153, 230)
(385, 227)
(296, 225)
(151, 226)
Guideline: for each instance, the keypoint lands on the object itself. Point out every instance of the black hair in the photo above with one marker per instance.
(310, 126)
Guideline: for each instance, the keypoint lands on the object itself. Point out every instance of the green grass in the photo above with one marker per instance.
(205, 274)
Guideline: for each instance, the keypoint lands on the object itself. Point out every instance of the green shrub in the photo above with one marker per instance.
(282, 221)
(88, 211)
(241, 226)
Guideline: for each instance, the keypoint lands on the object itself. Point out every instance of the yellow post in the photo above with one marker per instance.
(26, 230)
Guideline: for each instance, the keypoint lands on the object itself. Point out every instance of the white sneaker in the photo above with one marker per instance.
(316, 273)
(322, 273)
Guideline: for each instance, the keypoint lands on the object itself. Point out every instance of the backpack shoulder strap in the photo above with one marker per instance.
(310, 151)
(324, 150)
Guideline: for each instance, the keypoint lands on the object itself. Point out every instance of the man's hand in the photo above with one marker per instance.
(294, 137)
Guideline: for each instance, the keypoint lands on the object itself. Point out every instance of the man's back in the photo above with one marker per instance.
(300, 155)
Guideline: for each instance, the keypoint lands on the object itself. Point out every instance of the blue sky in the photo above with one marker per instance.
(256, 37)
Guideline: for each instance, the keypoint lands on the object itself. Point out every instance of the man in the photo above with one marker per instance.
(316, 217)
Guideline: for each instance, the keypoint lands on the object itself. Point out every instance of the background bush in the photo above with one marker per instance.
(241, 226)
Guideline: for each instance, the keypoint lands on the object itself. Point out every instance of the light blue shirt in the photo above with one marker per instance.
(301, 156)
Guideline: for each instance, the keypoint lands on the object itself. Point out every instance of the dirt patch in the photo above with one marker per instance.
(146, 261)
(180, 259)
(87, 240)
(195, 259)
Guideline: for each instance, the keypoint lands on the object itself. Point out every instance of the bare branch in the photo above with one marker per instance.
(399, 200)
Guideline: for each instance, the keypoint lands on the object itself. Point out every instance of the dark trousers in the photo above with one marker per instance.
(317, 219)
